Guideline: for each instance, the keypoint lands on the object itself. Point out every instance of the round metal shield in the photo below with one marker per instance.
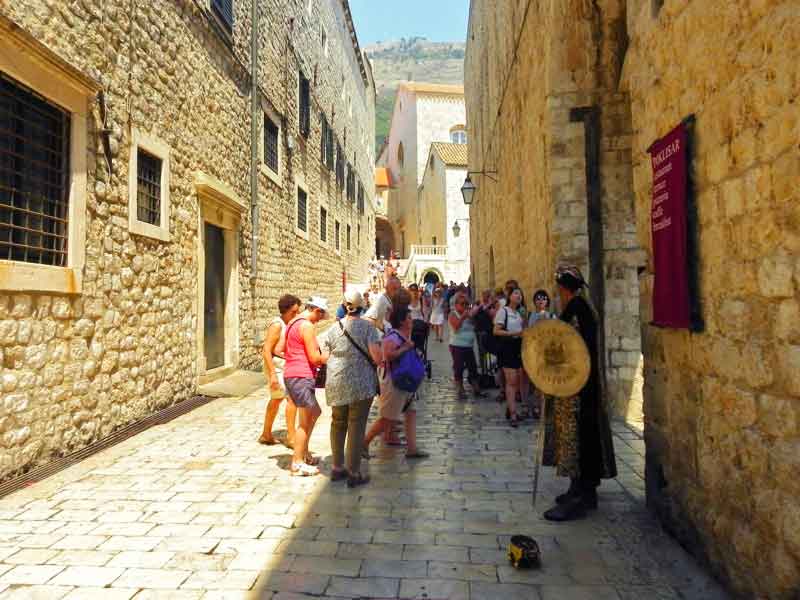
(555, 357)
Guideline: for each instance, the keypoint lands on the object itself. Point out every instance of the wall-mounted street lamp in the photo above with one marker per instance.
(456, 228)
(468, 189)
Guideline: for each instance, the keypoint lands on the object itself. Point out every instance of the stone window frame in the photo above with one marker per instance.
(348, 237)
(303, 104)
(277, 119)
(26, 60)
(161, 150)
(323, 224)
(298, 186)
(337, 236)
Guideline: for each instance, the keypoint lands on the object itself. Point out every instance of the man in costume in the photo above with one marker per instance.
(580, 445)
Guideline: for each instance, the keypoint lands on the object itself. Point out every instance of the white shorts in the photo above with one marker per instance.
(281, 391)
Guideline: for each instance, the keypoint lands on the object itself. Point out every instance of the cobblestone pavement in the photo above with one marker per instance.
(196, 509)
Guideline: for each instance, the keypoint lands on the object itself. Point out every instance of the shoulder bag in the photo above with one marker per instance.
(407, 370)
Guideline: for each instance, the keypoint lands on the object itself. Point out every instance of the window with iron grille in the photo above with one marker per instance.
(337, 231)
(304, 105)
(148, 188)
(323, 224)
(339, 165)
(34, 176)
(271, 135)
(348, 237)
(360, 198)
(224, 10)
(302, 210)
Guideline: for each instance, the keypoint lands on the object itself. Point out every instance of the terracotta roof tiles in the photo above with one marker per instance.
(453, 155)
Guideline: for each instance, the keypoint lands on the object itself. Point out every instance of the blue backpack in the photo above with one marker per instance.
(408, 370)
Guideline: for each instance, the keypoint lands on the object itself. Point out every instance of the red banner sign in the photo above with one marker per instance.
(668, 225)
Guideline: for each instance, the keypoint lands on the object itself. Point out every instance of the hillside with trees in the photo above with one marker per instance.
(410, 59)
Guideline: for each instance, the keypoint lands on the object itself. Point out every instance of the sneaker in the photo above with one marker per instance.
(304, 470)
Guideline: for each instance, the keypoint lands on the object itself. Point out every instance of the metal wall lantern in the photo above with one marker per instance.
(468, 189)
(456, 228)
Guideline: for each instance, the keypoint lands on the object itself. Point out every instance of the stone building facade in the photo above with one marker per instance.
(423, 113)
(129, 268)
(568, 134)
(441, 207)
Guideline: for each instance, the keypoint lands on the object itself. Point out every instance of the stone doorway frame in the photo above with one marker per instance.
(218, 205)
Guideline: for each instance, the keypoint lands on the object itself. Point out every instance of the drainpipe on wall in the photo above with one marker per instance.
(254, 212)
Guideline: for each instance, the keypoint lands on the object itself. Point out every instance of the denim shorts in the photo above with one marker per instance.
(301, 392)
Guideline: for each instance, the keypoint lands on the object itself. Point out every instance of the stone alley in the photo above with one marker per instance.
(195, 508)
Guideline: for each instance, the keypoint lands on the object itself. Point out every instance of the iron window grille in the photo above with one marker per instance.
(34, 176)
(224, 10)
(337, 230)
(148, 188)
(348, 237)
(360, 198)
(302, 210)
(271, 134)
(304, 108)
(323, 224)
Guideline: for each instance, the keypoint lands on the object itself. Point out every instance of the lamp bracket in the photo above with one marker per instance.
(488, 174)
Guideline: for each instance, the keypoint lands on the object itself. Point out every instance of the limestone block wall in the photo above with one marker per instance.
(722, 407)
(537, 216)
(73, 367)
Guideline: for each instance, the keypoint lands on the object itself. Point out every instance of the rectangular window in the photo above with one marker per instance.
(348, 237)
(358, 235)
(302, 210)
(304, 105)
(148, 188)
(323, 140)
(271, 134)
(337, 230)
(323, 224)
(433, 240)
(34, 176)
(224, 10)
(360, 198)
(329, 150)
(339, 165)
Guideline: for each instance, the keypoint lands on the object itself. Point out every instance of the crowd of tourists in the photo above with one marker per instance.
(376, 350)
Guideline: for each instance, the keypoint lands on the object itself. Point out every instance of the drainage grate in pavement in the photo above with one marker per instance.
(59, 464)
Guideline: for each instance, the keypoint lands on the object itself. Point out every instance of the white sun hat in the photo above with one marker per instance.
(353, 300)
(318, 302)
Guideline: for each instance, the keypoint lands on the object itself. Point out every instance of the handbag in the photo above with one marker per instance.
(321, 375)
(407, 370)
(365, 354)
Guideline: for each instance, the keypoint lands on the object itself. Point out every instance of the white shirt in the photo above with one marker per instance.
(378, 310)
(514, 323)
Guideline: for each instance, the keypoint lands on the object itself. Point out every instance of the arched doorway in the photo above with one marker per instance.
(430, 277)
(384, 238)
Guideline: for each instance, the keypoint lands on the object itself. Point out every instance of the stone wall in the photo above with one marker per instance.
(721, 406)
(76, 366)
(537, 215)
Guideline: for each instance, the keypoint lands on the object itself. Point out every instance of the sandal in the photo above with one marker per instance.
(271, 441)
(339, 474)
(417, 454)
(365, 453)
(303, 470)
(514, 421)
(357, 480)
(312, 460)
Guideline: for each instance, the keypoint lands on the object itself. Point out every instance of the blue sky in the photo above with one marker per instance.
(437, 20)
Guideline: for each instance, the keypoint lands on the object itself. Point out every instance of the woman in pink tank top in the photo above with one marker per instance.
(303, 358)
